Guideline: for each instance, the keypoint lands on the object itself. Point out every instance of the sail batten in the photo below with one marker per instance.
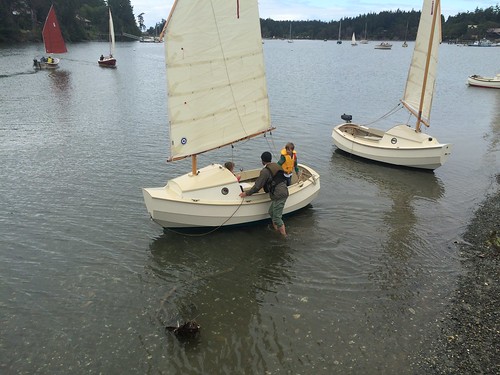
(215, 75)
(421, 79)
(51, 33)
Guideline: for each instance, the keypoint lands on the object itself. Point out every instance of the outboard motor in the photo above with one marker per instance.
(346, 118)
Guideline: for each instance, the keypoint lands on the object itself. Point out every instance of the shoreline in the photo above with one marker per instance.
(468, 329)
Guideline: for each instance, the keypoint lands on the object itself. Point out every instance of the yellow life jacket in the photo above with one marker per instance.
(289, 163)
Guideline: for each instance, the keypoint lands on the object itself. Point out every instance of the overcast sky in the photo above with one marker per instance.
(324, 10)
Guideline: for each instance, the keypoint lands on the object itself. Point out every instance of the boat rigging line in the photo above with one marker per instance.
(392, 111)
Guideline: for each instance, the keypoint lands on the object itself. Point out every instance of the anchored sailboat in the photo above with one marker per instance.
(365, 40)
(217, 96)
(405, 44)
(481, 81)
(290, 40)
(353, 40)
(403, 145)
(339, 41)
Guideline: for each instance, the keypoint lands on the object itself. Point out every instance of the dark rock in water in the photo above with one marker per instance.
(188, 330)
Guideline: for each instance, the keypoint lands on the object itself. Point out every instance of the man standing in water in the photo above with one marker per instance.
(272, 179)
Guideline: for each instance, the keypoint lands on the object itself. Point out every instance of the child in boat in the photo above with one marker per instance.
(230, 166)
(288, 161)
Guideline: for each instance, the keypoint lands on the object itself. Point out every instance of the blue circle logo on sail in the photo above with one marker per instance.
(184, 140)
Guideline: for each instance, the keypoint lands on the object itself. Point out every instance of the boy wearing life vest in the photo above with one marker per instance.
(288, 161)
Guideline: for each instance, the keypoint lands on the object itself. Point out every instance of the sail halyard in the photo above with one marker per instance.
(217, 91)
(421, 79)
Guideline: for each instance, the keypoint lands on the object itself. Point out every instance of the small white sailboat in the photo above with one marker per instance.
(290, 40)
(365, 39)
(109, 61)
(405, 44)
(217, 96)
(339, 41)
(353, 40)
(403, 145)
(53, 41)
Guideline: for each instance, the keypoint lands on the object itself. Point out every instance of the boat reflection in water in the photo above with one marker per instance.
(403, 247)
(60, 80)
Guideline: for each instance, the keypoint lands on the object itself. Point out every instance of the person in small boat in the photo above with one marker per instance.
(50, 60)
(288, 161)
(101, 58)
(272, 179)
(230, 166)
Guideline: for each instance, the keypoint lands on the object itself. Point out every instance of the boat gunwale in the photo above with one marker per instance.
(355, 140)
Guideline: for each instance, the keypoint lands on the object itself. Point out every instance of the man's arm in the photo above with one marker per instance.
(259, 183)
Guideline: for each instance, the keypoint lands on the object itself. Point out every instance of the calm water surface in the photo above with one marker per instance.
(88, 282)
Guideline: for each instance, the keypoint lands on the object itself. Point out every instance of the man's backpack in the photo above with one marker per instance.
(275, 180)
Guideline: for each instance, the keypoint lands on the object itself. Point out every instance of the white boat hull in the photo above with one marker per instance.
(46, 65)
(400, 145)
(211, 198)
(487, 82)
(383, 46)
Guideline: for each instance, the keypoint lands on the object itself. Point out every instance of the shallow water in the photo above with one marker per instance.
(88, 282)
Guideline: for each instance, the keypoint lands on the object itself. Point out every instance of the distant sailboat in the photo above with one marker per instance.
(365, 40)
(53, 41)
(290, 40)
(109, 61)
(402, 145)
(353, 40)
(406, 35)
(339, 41)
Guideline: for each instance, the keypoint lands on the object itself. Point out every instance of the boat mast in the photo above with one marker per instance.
(194, 166)
(427, 63)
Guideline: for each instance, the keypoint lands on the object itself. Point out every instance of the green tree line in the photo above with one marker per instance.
(22, 20)
(388, 25)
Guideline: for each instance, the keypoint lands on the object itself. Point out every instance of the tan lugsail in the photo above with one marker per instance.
(111, 35)
(217, 92)
(422, 74)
